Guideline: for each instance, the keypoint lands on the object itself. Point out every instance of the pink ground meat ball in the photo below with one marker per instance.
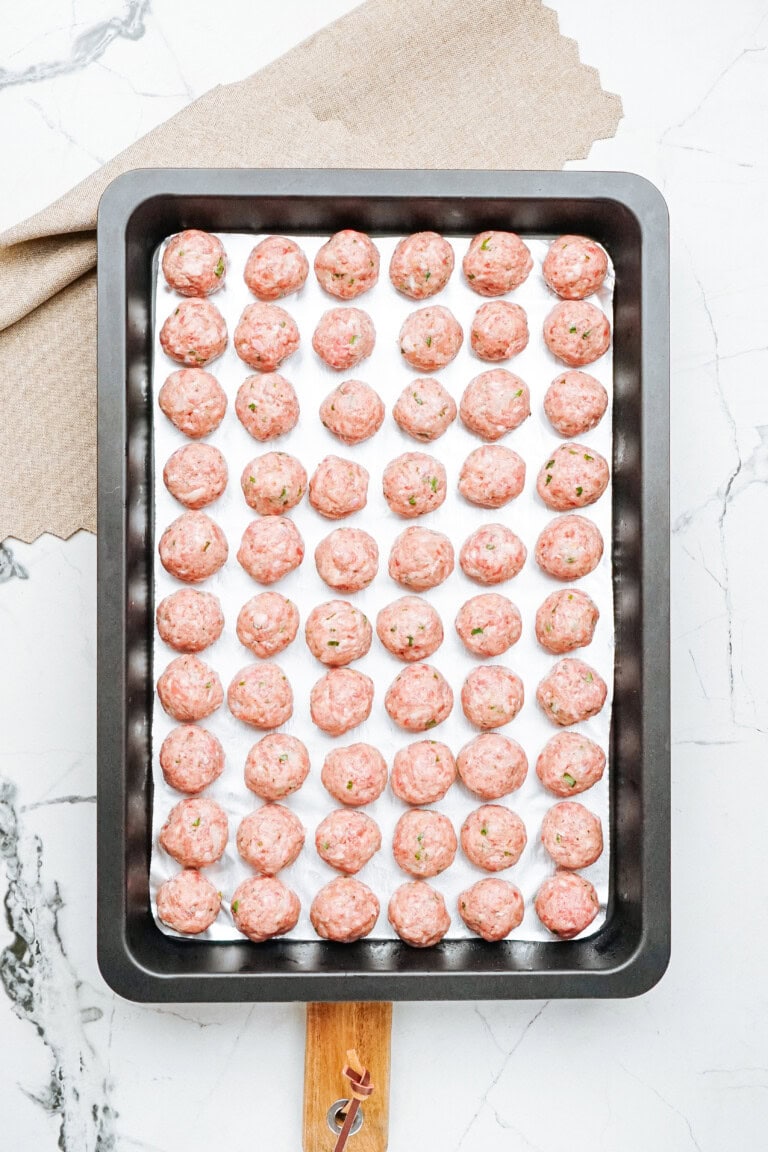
(572, 835)
(421, 265)
(493, 837)
(424, 843)
(347, 265)
(344, 337)
(194, 334)
(419, 698)
(195, 832)
(338, 488)
(271, 548)
(423, 772)
(273, 483)
(267, 624)
(355, 775)
(421, 559)
(270, 839)
(261, 695)
(418, 914)
(424, 409)
(191, 758)
(575, 267)
(488, 624)
(347, 840)
(496, 262)
(575, 403)
(569, 547)
(276, 766)
(414, 484)
(491, 476)
(188, 902)
(338, 633)
(196, 475)
(571, 692)
(267, 406)
(344, 910)
(189, 620)
(573, 477)
(492, 908)
(492, 766)
(577, 333)
(194, 263)
(275, 268)
(353, 412)
(189, 689)
(570, 763)
(430, 338)
(492, 696)
(494, 403)
(193, 547)
(341, 700)
(499, 331)
(566, 620)
(410, 629)
(193, 401)
(347, 560)
(265, 336)
(566, 903)
(492, 554)
(263, 908)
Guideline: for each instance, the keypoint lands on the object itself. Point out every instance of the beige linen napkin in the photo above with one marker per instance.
(394, 84)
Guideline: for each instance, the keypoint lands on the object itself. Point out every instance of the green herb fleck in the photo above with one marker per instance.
(326, 845)
(412, 501)
(252, 406)
(485, 244)
(283, 494)
(219, 269)
(235, 906)
(484, 830)
(518, 394)
(558, 837)
(352, 339)
(588, 457)
(410, 641)
(433, 483)
(252, 479)
(471, 276)
(573, 329)
(579, 490)
(430, 723)
(585, 334)
(206, 546)
(427, 275)
(333, 643)
(350, 785)
(589, 678)
(429, 341)
(283, 757)
(491, 547)
(569, 780)
(548, 480)
(477, 631)
(417, 398)
(417, 855)
(549, 463)
(196, 823)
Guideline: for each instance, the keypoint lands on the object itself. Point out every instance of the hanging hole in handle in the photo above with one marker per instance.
(336, 1122)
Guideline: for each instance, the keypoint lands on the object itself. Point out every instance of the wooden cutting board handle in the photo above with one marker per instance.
(332, 1030)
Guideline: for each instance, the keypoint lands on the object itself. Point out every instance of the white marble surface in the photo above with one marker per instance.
(683, 1068)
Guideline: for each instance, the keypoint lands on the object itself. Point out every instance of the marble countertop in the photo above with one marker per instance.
(684, 1067)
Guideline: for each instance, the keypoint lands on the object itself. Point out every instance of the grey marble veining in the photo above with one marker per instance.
(9, 567)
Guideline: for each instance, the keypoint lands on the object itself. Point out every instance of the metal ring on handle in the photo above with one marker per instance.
(335, 1125)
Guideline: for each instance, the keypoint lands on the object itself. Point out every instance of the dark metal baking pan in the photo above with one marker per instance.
(628, 215)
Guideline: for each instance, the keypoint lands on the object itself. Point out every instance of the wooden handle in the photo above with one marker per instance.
(332, 1030)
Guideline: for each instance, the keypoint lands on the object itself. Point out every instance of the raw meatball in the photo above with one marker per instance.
(189, 621)
(262, 908)
(267, 406)
(419, 698)
(492, 908)
(424, 409)
(275, 268)
(270, 839)
(488, 624)
(338, 633)
(566, 903)
(195, 832)
(195, 263)
(493, 837)
(421, 559)
(341, 700)
(577, 333)
(194, 334)
(276, 766)
(355, 775)
(273, 483)
(571, 692)
(573, 477)
(344, 910)
(188, 902)
(569, 547)
(347, 840)
(347, 560)
(492, 766)
(492, 696)
(265, 336)
(193, 401)
(347, 265)
(430, 338)
(193, 547)
(353, 412)
(575, 403)
(338, 488)
(496, 262)
(189, 689)
(418, 914)
(344, 337)
(261, 695)
(492, 554)
(191, 758)
(421, 265)
(494, 403)
(424, 843)
(491, 476)
(414, 484)
(196, 475)
(499, 330)
(267, 624)
(271, 548)
(423, 772)
(570, 763)
(572, 835)
(575, 267)
(410, 628)
(566, 620)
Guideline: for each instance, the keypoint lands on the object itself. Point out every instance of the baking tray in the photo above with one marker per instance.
(628, 215)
